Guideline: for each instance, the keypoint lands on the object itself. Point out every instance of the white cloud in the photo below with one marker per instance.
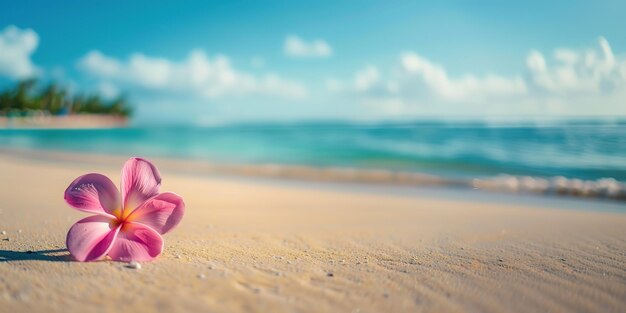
(297, 47)
(366, 81)
(101, 65)
(573, 83)
(366, 78)
(462, 88)
(577, 72)
(197, 74)
(108, 90)
(16, 47)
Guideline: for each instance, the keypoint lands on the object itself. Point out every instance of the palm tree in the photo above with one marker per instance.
(54, 100)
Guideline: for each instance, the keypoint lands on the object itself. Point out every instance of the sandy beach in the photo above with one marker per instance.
(79, 121)
(247, 245)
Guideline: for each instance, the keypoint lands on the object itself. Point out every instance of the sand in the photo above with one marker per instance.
(63, 121)
(248, 245)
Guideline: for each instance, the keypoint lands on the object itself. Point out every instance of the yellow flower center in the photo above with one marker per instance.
(122, 217)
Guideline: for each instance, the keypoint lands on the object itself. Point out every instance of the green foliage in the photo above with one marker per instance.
(26, 96)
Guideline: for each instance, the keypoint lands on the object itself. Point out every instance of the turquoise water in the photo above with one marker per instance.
(584, 150)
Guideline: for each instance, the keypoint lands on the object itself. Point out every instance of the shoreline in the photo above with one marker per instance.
(204, 170)
(603, 189)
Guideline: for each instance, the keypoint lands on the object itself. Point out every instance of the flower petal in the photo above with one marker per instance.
(90, 238)
(140, 181)
(93, 193)
(136, 242)
(162, 212)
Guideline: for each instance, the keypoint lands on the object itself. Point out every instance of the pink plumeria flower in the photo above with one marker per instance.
(126, 229)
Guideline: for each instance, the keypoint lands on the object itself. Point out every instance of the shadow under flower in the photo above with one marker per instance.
(40, 255)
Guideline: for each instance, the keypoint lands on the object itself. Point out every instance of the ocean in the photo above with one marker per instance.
(570, 154)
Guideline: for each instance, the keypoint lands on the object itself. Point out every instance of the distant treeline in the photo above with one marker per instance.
(28, 96)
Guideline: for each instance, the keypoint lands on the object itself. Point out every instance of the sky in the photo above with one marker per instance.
(205, 62)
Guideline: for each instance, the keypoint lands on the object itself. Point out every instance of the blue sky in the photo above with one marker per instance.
(205, 62)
